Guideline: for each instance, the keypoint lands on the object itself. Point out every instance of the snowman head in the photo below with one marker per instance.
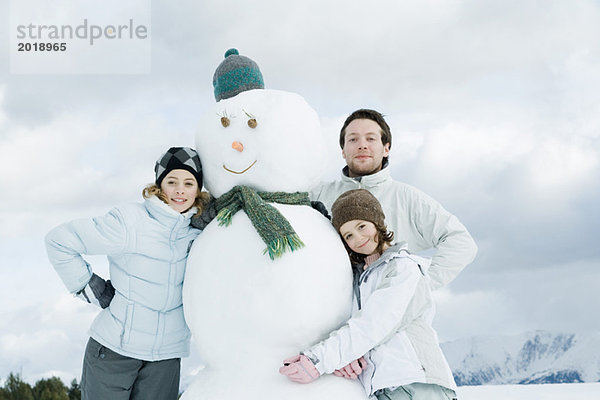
(267, 139)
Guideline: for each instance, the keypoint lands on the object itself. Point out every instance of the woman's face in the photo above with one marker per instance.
(180, 188)
(361, 236)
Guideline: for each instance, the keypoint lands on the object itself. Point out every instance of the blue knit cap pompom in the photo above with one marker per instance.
(231, 51)
(236, 74)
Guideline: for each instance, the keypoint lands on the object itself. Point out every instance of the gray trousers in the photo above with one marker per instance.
(110, 376)
(417, 391)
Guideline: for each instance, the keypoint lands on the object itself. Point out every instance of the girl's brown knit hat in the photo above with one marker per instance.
(356, 204)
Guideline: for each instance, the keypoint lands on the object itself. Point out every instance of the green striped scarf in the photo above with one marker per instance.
(273, 228)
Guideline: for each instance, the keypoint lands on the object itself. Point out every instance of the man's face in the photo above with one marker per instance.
(363, 149)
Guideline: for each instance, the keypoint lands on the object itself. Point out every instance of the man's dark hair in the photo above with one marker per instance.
(364, 113)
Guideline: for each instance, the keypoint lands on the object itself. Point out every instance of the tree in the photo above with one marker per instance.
(50, 389)
(74, 391)
(44, 389)
(16, 389)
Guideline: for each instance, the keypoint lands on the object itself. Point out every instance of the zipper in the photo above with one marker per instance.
(356, 287)
(372, 375)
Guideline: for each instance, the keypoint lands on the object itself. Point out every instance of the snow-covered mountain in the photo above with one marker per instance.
(533, 357)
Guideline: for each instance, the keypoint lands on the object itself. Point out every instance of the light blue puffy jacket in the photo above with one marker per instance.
(147, 246)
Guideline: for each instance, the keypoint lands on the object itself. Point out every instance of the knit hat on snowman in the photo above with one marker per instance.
(235, 75)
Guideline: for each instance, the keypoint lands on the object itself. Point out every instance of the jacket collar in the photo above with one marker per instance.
(369, 181)
(393, 251)
(399, 249)
(163, 213)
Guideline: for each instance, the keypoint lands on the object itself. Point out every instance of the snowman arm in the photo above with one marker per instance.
(380, 317)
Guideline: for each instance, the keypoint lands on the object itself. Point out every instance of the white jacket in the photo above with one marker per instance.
(390, 326)
(147, 245)
(415, 218)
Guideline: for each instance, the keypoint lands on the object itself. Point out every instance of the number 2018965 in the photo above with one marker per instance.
(35, 46)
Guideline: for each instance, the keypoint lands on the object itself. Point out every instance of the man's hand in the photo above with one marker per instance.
(320, 207)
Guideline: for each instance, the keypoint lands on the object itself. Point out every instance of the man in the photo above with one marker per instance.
(413, 216)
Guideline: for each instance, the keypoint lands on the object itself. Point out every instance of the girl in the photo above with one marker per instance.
(138, 338)
(388, 343)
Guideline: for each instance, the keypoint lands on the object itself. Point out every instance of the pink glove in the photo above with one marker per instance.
(299, 369)
(352, 370)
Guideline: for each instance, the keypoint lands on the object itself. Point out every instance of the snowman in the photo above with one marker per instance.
(269, 276)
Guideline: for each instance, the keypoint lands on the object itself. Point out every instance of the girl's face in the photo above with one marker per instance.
(180, 188)
(361, 236)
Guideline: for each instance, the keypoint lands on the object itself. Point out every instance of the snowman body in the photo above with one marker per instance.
(248, 312)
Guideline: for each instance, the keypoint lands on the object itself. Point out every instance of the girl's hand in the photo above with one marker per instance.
(299, 369)
(352, 370)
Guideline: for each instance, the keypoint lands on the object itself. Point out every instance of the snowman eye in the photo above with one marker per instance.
(225, 121)
(251, 120)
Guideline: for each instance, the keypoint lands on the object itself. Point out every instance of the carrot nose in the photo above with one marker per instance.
(237, 146)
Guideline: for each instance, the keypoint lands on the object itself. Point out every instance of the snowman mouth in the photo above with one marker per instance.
(239, 172)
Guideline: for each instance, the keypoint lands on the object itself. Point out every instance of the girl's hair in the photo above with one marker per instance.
(384, 238)
(200, 202)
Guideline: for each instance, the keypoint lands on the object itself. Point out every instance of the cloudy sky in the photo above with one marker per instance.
(494, 108)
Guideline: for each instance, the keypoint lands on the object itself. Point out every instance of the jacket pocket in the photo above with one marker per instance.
(126, 333)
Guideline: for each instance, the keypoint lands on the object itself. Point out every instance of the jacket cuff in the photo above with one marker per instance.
(315, 360)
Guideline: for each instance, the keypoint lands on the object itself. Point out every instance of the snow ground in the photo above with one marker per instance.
(565, 391)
